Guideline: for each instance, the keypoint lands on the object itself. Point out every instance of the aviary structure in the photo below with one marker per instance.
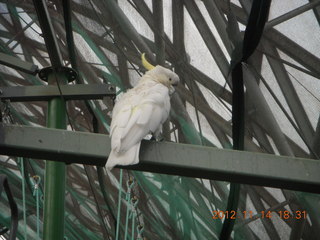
(201, 40)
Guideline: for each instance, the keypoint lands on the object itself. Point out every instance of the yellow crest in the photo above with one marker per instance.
(145, 63)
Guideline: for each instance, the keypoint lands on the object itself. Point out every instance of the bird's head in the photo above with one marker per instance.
(161, 74)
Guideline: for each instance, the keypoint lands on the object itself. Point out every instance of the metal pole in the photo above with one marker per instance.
(55, 174)
(291, 14)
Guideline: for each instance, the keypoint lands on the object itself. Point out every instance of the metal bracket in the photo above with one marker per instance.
(70, 73)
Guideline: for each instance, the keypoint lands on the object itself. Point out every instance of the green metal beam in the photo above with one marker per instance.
(18, 64)
(165, 157)
(51, 144)
(48, 33)
(47, 92)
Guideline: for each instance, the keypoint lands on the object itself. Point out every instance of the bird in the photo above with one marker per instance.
(140, 111)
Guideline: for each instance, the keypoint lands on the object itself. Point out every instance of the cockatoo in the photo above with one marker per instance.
(140, 111)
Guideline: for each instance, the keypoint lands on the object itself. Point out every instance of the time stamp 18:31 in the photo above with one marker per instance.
(261, 214)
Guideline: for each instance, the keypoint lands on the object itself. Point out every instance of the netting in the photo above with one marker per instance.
(197, 39)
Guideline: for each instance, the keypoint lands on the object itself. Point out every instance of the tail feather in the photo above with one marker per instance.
(129, 157)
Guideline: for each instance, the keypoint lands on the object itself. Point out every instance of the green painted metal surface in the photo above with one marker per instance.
(163, 217)
(18, 64)
(166, 157)
(55, 174)
(45, 93)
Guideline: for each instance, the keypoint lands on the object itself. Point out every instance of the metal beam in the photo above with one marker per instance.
(53, 144)
(55, 172)
(219, 21)
(165, 157)
(263, 110)
(290, 94)
(47, 92)
(18, 64)
(291, 14)
(280, 41)
(127, 26)
(48, 33)
(208, 37)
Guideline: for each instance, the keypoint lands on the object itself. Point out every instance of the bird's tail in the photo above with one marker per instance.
(129, 157)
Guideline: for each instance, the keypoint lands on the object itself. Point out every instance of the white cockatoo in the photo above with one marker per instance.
(140, 111)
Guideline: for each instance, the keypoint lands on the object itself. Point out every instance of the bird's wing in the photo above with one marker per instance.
(137, 115)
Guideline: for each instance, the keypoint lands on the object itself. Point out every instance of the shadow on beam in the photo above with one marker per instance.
(165, 157)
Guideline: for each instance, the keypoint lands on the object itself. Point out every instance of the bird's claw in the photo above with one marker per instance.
(157, 138)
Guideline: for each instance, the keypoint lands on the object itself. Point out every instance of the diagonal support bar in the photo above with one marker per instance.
(18, 64)
(291, 14)
(165, 157)
(47, 92)
(48, 32)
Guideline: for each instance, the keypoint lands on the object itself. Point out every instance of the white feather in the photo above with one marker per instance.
(141, 110)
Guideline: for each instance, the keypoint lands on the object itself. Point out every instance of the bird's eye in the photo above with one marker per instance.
(170, 79)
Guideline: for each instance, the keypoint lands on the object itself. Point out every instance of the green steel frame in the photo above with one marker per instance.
(18, 64)
(166, 157)
(55, 175)
(55, 172)
(186, 160)
(46, 93)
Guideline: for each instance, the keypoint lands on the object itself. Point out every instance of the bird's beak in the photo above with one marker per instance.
(145, 63)
(175, 84)
(171, 90)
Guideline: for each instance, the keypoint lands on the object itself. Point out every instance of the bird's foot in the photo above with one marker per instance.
(157, 138)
